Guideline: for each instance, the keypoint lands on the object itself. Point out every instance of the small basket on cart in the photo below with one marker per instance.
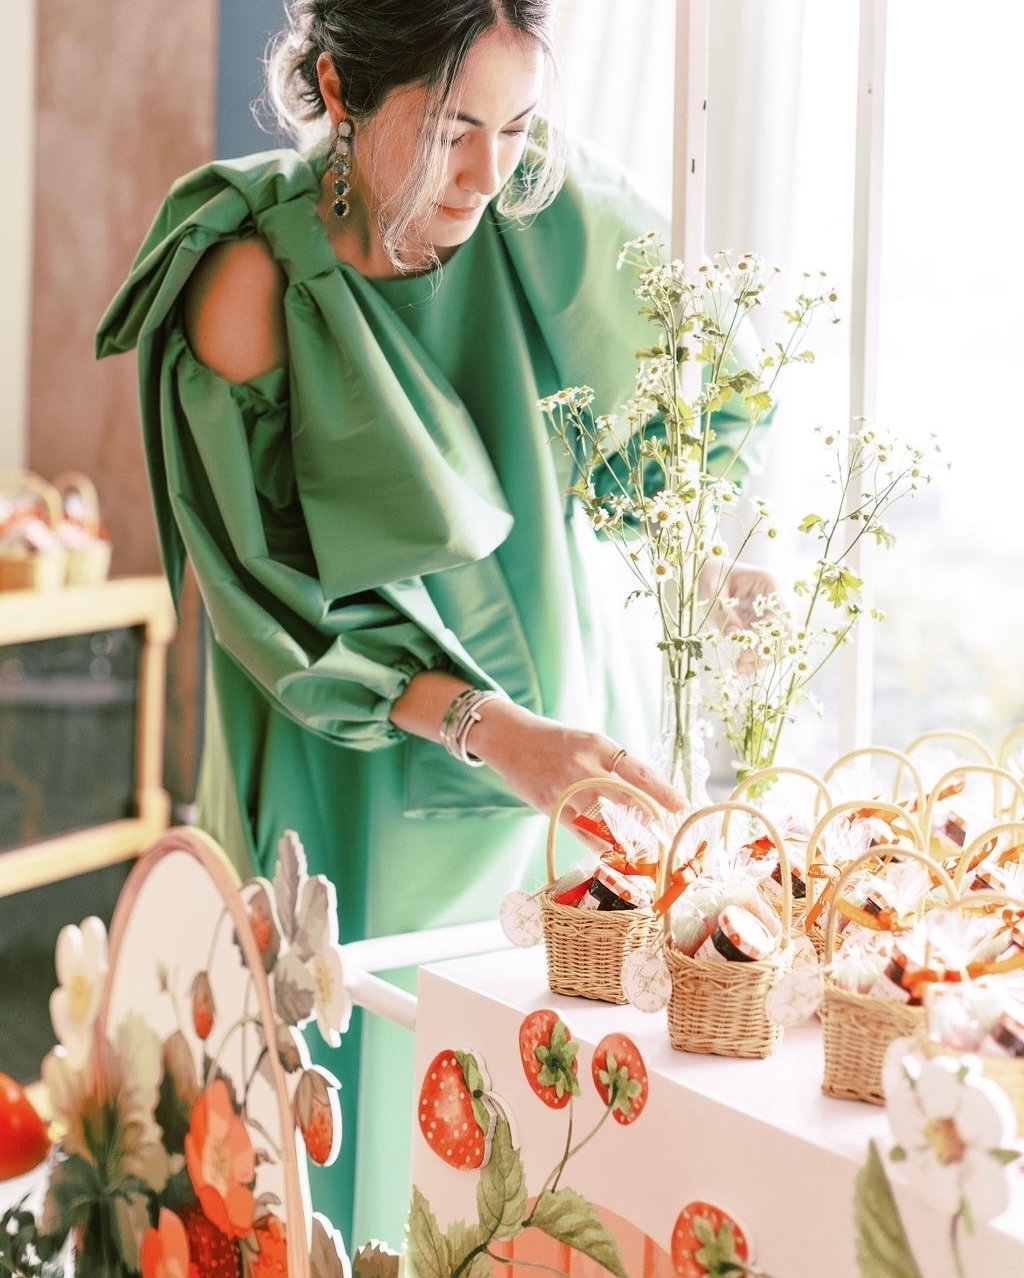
(86, 542)
(31, 554)
(858, 1028)
(719, 1007)
(586, 947)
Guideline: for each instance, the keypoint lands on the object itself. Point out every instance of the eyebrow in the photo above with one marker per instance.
(479, 124)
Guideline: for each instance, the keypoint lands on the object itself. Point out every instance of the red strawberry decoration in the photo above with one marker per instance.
(203, 1010)
(317, 1115)
(457, 1118)
(620, 1077)
(548, 1053)
(213, 1253)
(706, 1241)
(23, 1139)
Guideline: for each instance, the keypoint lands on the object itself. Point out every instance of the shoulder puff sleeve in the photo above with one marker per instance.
(275, 489)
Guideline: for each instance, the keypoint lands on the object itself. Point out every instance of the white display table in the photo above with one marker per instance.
(757, 1138)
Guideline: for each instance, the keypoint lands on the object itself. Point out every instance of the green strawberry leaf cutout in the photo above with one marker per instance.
(882, 1247)
(718, 1250)
(426, 1251)
(622, 1089)
(501, 1192)
(566, 1216)
(462, 1239)
(557, 1062)
(477, 1085)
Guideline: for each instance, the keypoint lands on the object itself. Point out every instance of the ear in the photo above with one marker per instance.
(330, 88)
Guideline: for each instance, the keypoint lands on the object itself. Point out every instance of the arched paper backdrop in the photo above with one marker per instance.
(180, 915)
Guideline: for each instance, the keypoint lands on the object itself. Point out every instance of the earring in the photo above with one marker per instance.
(342, 165)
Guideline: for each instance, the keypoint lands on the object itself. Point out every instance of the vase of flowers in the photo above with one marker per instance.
(663, 479)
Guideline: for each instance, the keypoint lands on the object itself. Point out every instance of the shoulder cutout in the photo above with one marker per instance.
(234, 310)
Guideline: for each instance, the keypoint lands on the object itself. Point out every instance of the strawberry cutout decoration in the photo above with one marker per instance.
(620, 1077)
(707, 1241)
(456, 1116)
(23, 1139)
(548, 1054)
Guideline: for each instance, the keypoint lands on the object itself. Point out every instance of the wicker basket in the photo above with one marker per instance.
(1011, 749)
(1007, 799)
(1006, 1071)
(86, 565)
(858, 1028)
(23, 569)
(809, 914)
(719, 1007)
(900, 764)
(586, 948)
(968, 747)
(979, 848)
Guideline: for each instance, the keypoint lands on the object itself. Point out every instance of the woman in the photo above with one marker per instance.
(340, 357)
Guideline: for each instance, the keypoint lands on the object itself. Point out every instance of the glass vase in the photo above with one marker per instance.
(680, 753)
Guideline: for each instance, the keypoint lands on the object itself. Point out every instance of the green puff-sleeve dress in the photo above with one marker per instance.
(390, 503)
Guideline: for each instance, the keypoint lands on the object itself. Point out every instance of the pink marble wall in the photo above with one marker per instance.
(125, 103)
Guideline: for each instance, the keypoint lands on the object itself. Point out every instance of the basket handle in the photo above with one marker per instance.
(906, 764)
(668, 861)
(885, 851)
(28, 481)
(822, 794)
(75, 481)
(975, 847)
(814, 840)
(592, 783)
(985, 755)
(999, 966)
(975, 769)
(1013, 739)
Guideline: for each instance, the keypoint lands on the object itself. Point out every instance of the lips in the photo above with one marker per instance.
(461, 214)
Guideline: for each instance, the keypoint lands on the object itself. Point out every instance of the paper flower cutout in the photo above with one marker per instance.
(81, 961)
(952, 1127)
(220, 1160)
(165, 1251)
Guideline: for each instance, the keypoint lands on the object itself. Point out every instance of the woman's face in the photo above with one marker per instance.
(491, 114)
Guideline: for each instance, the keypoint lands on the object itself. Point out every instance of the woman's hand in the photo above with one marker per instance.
(539, 759)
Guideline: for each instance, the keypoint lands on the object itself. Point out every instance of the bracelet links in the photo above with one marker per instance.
(459, 719)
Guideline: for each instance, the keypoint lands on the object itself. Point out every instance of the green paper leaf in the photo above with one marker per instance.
(882, 1247)
(462, 1239)
(1004, 1156)
(426, 1251)
(567, 1217)
(501, 1193)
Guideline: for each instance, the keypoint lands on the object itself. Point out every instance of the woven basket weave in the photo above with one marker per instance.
(718, 1007)
(1007, 798)
(858, 1028)
(586, 948)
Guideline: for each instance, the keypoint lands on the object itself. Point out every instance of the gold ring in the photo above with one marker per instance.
(619, 755)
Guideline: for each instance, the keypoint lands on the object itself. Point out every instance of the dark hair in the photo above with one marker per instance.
(377, 46)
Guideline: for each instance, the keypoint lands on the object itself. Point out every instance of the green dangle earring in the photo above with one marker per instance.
(342, 166)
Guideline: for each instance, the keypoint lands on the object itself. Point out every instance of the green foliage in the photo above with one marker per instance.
(882, 1247)
(501, 1192)
(566, 1216)
(24, 1251)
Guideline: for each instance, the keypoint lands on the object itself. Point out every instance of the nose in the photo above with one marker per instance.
(480, 172)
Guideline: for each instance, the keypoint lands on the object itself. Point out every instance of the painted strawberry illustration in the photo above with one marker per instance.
(213, 1253)
(707, 1241)
(457, 1117)
(203, 1009)
(317, 1114)
(620, 1077)
(548, 1053)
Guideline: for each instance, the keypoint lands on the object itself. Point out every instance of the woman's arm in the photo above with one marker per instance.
(537, 758)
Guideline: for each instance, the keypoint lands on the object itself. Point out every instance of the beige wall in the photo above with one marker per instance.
(125, 100)
(17, 94)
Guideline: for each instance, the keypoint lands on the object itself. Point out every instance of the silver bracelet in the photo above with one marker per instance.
(459, 719)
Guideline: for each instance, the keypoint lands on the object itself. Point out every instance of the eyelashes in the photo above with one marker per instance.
(507, 133)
